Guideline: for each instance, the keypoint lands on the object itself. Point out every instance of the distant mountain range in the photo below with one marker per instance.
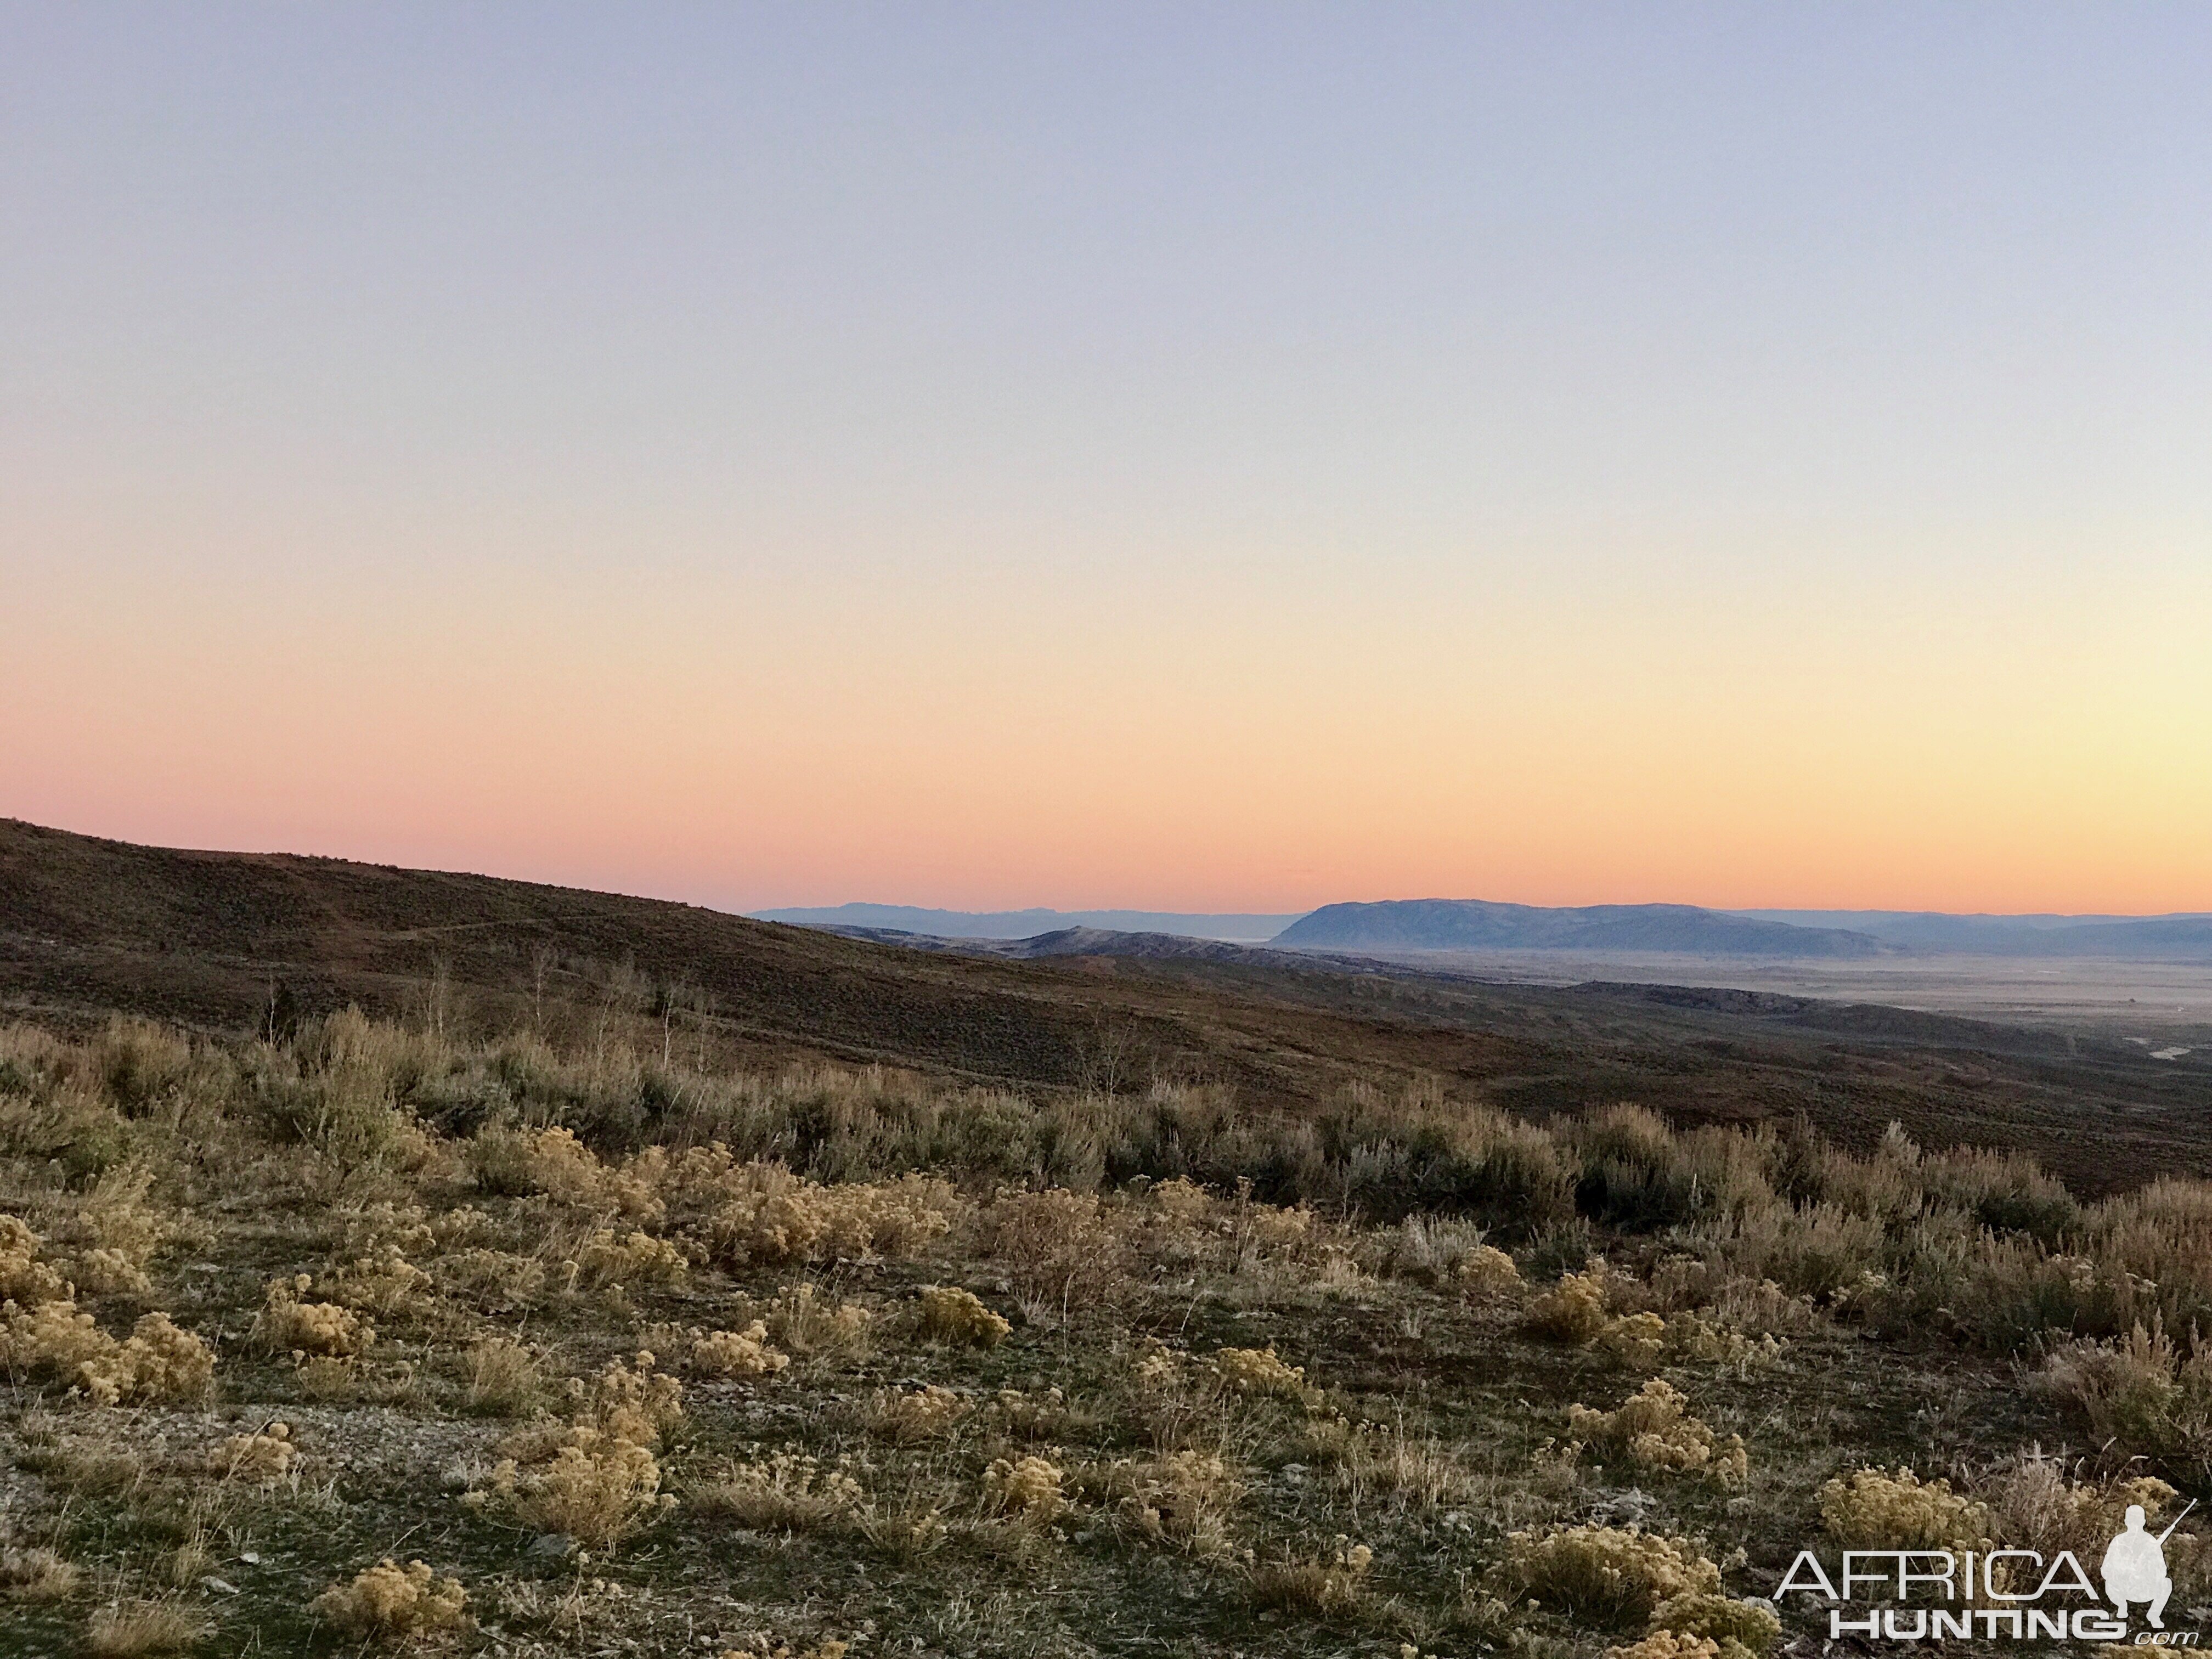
(2177, 938)
(1027, 924)
(1476, 924)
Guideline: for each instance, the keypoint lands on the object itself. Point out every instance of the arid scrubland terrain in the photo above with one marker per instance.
(401, 1263)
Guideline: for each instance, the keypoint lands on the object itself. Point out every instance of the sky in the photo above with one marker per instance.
(1202, 456)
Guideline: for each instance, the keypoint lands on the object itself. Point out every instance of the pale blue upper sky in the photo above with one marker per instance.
(1251, 263)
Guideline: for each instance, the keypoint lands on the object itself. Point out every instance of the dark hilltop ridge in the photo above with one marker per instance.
(1240, 928)
(1478, 925)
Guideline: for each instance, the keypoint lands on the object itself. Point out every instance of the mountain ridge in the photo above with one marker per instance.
(1242, 927)
(2177, 936)
(1480, 924)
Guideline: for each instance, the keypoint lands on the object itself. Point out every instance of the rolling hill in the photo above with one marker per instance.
(90, 927)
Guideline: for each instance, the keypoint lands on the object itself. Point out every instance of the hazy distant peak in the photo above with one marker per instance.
(2180, 937)
(1479, 924)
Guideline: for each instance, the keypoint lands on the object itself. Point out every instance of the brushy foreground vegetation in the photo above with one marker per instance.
(376, 1337)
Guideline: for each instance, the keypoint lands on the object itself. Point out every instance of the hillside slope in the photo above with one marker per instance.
(88, 926)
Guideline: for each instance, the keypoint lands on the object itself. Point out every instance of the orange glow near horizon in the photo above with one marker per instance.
(748, 743)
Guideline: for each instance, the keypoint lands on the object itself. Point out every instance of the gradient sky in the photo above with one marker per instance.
(1199, 457)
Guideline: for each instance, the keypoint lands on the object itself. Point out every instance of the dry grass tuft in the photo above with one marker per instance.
(1316, 1590)
(785, 1492)
(1185, 1498)
(392, 1603)
(23, 1278)
(554, 1163)
(1384, 1461)
(805, 1321)
(1061, 1249)
(956, 1316)
(120, 1232)
(1025, 1489)
(1876, 1510)
(494, 1280)
(632, 1402)
(909, 1419)
(1653, 1429)
(138, 1628)
(1613, 1576)
(594, 1488)
(607, 1259)
(735, 1353)
(262, 1458)
(288, 1325)
(37, 1575)
(506, 1377)
(2141, 1391)
(2033, 1505)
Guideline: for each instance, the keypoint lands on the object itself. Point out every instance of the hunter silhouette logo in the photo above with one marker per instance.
(2008, 1595)
(2135, 1566)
